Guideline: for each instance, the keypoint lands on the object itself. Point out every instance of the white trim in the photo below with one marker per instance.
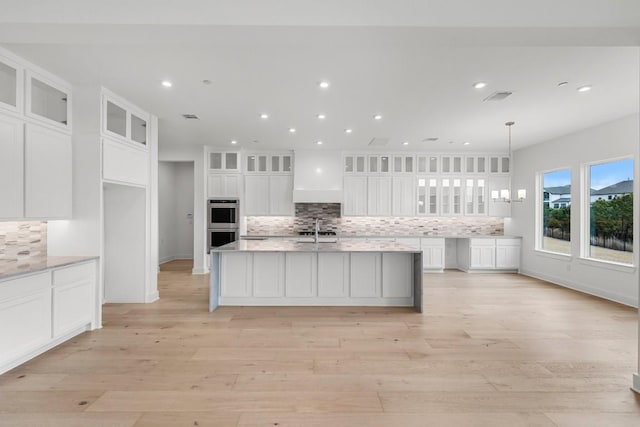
(316, 301)
(197, 271)
(170, 258)
(152, 297)
(636, 383)
(611, 265)
(555, 255)
(620, 299)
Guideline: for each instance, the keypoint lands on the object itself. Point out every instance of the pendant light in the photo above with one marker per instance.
(504, 195)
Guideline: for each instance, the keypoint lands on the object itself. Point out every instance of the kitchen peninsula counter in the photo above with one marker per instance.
(291, 273)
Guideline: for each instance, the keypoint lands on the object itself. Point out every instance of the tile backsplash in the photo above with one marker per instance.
(330, 220)
(22, 240)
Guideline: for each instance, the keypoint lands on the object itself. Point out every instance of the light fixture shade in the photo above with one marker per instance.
(522, 194)
(504, 194)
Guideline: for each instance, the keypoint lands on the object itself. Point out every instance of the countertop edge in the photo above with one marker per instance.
(52, 262)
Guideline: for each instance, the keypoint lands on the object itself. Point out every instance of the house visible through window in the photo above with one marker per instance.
(556, 212)
(611, 211)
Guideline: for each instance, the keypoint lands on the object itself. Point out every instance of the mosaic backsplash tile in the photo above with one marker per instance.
(22, 240)
(329, 214)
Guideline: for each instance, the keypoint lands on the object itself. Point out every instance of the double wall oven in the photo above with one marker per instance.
(223, 221)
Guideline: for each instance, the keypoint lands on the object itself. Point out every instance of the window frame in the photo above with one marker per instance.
(539, 215)
(585, 215)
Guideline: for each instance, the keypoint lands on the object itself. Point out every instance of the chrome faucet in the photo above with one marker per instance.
(317, 229)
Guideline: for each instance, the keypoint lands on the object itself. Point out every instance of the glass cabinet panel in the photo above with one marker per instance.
(494, 165)
(360, 164)
(433, 196)
(117, 121)
(505, 165)
(251, 163)
(138, 129)
(457, 196)
(348, 164)
(457, 164)
(384, 164)
(215, 161)
(408, 164)
(49, 102)
(469, 198)
(422, 196)
(422, 164)
(481, 165)
(373, 164)
(433, 164)
(231, 161)
(286, 163)
(480, 197)
(397, 164)
(262, 163)
(275, 163)
(446, 164)
(8, 85)
(446, 196)
(470, 165)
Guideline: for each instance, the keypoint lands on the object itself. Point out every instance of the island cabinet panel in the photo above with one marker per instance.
(25, 313)
(333, 275)
(366, 275)
(397, 275)
(301, 277)
(237, 275)
(268, 274)
(73, 295)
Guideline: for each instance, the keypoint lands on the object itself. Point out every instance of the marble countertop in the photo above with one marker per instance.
(293, 246)
(11, 268)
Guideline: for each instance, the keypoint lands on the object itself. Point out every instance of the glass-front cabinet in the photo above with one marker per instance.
(499, 164)
(451, 200)
(355, 164)
(475, 165)
(11, 85)
(475, 196)
(48, 100)
(261, 163)
(124, 122)
(428, 196)
(224, 161)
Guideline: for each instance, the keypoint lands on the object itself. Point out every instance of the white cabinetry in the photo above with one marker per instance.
(122, 163)
(268, 274)
(482, 254)
(366, 275)
(403, 196)
(432, 253)
(507, 254)
(475, 200)
(237, 275)
(224, 161)
(47, 172)
(73, 298)
(301, 274)
(333, 275)
(122, 121)
(379, 196)
(11, 167)
(428, 196)
(397, 275)
(11, 85)
(281, 195)
(257, 195)
(25, 316)
(355, 196)
(223, 185)
(48, 100)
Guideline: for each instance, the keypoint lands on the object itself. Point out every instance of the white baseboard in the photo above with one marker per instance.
(621, 299)
(167, 259)
(200, 271)
(153, 297)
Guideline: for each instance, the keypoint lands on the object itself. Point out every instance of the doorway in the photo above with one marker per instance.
(175, 211)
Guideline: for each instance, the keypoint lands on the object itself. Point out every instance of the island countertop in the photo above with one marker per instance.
(293, 246)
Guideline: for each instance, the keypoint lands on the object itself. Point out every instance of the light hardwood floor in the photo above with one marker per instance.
(490, 350)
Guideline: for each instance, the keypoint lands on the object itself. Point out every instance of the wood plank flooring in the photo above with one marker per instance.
(490, 350)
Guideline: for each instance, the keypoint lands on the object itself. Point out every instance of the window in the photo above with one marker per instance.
(556, 212)
(611, 211)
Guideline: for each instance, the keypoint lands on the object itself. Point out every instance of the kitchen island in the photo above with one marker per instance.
(291, 273)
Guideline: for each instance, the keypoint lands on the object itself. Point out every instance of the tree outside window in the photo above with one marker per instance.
(556, 211)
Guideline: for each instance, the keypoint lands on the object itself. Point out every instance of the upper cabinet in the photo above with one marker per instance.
(499, 164)
(11, 85)
(224, 161)
(124, 122)
(427, 164)
(48, 100)
(275, 163)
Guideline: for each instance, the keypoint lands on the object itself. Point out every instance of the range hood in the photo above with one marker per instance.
(317, 176)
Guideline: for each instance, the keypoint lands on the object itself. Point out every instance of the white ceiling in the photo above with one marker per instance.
(419, 78)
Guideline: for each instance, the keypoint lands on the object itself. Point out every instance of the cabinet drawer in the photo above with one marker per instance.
(482, 242)
(24, 286)
(74, 273)
(507, 242)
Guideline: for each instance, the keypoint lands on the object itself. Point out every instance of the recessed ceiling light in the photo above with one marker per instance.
(348, 130)
(234, 142)
(323, 84)
(466, 143)
(167, 83)
(264, 116)
(321, 116)
(563, 84)
(319, 142)
(479, 85)
(377, 117)
(405, 143)
(586, 88)
(292, 130)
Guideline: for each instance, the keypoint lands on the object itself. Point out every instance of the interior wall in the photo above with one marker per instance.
(607, 141)
(176, 197)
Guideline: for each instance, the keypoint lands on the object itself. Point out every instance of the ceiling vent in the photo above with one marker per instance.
(498, 96)
(191, 117)
(378, 142)
(430, 139)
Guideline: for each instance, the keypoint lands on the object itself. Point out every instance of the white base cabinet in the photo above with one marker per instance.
(432, 254)
(487, 254)
(42, 310)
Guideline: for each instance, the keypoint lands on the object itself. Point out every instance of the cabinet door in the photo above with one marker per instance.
(397, 275)
(366, 275)
(215, 162)
(482, 257)
(11, 168)
(26, 317)
(48, 100)
(256, 195)
(215, 185)
(281, 195)
(403, 196)
(451, 203)
(433, 258)
(123, 163)
(73, 298)
(268, 274)
(508, 254)
(379, 196)
(11, 85)
(236, 269)
(232, 186)
(301, 274)
(428, 196)
(355, 195)
(232, 162)
(48, 175)
(333, 275)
